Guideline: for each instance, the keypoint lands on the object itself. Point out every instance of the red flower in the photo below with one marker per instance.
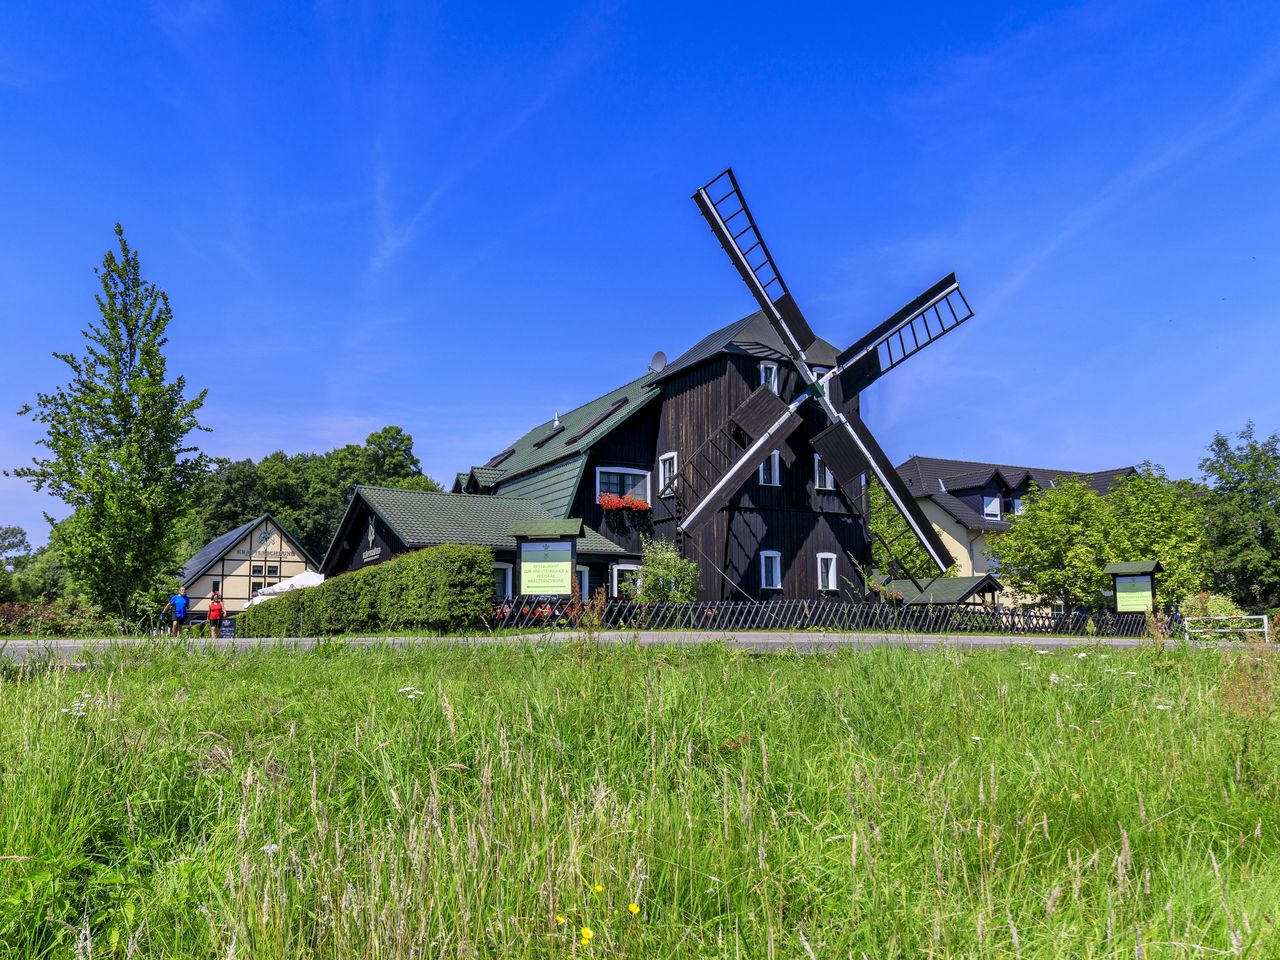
(611, 501)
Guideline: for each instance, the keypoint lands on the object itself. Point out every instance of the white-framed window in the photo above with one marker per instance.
(827, 572)
(771, 470)
(622, 481)
(991, 506)
(668, 467)
(501, 580)
(769, 375)
(1017, 505)
(584, 583)
(823, 479)
(770, 570)
(623, 574)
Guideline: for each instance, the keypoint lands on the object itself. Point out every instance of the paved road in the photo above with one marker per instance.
(73, 650)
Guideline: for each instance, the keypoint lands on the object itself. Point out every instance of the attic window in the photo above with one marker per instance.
(500, 457)
(991, 506)
(613, 408)
(555, 432)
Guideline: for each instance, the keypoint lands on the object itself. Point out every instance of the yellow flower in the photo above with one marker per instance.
(633, 908)
(585, 943)
(587, 934)
(598, 888)
(559, 919)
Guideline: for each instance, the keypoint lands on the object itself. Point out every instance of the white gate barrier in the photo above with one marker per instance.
(1236, 624)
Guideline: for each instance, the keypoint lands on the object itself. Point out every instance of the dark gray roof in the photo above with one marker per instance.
(939, 479)
(215, 549)
(212, 551)
(750, 336)
(423, 518)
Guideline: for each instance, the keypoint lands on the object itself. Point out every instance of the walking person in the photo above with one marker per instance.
(215, 614)
(178, 603)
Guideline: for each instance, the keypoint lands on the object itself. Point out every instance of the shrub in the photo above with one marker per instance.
(443, 588)
(665, 576)
(58, 618)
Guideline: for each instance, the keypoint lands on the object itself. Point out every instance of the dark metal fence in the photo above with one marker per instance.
(522, 613)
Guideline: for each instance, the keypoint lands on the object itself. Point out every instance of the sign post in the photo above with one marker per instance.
(1135, 584)
(546, 556)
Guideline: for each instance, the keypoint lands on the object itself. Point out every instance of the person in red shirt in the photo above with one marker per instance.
(215, 615)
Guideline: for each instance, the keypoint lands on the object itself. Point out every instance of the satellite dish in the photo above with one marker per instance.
(658, 362)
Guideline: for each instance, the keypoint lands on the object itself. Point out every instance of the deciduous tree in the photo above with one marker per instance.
(117, 442)
(1242, 517)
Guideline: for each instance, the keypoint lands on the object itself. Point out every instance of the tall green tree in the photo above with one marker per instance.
(1242, 517)
(1150, 517)
(116, 436)
(1056, 548)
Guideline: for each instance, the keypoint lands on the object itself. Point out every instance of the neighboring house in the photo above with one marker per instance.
(241, 562)
(966, 500)
(788, 531)
(381, 523)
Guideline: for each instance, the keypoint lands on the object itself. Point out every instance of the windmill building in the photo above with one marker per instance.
(747, 451)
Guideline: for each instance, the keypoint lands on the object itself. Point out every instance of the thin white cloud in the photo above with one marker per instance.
(579, 52)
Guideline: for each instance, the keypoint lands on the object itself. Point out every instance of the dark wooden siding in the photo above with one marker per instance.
(793, 518)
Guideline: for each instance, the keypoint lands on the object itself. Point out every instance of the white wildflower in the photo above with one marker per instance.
(271, 848)
(1162, 706)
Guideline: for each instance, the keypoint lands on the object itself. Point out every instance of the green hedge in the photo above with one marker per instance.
(446, 588)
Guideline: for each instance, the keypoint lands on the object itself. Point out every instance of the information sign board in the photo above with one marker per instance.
(546, 567)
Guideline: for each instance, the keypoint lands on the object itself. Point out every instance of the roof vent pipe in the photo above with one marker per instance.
(555, 421)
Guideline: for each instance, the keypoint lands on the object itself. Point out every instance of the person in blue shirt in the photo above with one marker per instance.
(178, 603)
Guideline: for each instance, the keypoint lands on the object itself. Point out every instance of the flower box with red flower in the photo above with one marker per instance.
(611, 501)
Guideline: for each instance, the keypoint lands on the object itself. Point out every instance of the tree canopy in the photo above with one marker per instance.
(1242, 517)
(1056, 549)
(307, 493)
(117, 441)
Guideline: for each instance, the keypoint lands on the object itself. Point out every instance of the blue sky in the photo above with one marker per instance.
(462, 218)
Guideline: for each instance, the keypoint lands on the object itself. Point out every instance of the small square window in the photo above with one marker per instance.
(626, 579)
(991, 506)
(770, 570)
(217, 586)
(254, 587)
(257, 570)
(771, 470)
(769, 375)
(273, 570)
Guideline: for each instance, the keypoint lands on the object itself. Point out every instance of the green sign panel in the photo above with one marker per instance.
(1133, 594)
(546, 568)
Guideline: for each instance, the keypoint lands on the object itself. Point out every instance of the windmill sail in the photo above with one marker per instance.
(927, 318)
(718, 469)
(849, 450)
(725, 209)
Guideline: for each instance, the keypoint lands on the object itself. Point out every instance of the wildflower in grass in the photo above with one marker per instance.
(587, 934)
(1042, 652)
(598, 888)
(1162, 706)
(633, 908)
(271, 848)
(559, 919)
(975, 738)
(1081, 655)
(1054, 678)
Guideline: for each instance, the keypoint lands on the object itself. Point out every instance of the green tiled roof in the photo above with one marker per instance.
(546, 528)
(422, 518)
(528, 457)
(552, 486)
(1130, 567)
(945, 589)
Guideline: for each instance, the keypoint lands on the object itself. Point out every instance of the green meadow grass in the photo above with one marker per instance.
(446, 801)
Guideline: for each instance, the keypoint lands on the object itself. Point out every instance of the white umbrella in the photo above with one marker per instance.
(308, 578)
